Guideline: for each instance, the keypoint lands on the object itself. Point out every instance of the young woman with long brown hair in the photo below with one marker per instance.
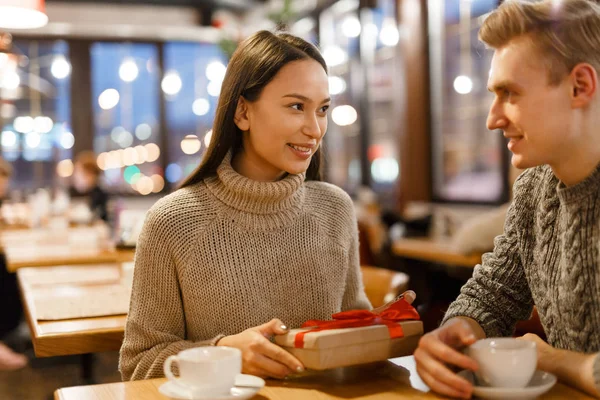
(252, 238)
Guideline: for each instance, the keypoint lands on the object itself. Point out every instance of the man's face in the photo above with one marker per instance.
(534, 115)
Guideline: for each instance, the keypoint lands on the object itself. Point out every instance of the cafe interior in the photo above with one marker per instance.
(107, 106)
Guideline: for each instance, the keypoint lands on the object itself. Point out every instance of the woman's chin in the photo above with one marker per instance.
(297, 168)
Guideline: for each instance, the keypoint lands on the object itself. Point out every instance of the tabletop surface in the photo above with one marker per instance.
(395, 379)
(48, 247)
(69, 336)
(434, 250)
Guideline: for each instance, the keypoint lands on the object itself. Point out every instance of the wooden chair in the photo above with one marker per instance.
(383, 285)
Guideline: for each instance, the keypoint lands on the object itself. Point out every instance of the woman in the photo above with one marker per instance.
(252, 235)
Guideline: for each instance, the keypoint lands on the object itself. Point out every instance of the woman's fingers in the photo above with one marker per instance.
(281, 356)
(271, 367)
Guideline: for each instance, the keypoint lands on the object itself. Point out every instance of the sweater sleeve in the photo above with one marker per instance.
(498, 294)
(155, 327)
(354, 293)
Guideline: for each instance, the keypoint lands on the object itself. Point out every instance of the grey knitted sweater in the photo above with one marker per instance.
(230, 253)
(549, 255)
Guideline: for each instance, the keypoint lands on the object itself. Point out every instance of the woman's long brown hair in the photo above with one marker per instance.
(253, 65)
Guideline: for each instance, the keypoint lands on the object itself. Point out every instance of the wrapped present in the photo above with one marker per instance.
(355, 337)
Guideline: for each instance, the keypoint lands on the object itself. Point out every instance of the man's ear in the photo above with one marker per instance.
(585, 85)
(241, 115)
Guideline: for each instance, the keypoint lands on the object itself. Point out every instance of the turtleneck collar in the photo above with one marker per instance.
(250, 196)
(589, 186)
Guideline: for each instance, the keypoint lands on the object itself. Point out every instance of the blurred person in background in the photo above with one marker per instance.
(86, 183)
(11, 309)
(252, 238)
(545, 77)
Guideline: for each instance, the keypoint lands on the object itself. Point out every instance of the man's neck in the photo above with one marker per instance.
(578, 166)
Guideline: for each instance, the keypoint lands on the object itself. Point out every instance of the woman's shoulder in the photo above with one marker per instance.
(318, 191)
(332, 207)
(192, 203)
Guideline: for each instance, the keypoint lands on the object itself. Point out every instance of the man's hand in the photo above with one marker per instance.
(439, 350)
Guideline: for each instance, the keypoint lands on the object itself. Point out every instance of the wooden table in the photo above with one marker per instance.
(396, 379)
(433, 250)
(46, 247)
(72, 336)
(46, 256)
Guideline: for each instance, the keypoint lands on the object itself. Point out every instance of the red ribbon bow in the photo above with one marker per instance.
(396, 312)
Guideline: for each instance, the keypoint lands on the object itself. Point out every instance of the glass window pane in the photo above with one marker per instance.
(35, 92)
(467, 159)
(194, 72)
(384, 86)
(125, 104)
(340, 33)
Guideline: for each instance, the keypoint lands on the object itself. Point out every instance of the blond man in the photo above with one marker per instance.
(544, 75)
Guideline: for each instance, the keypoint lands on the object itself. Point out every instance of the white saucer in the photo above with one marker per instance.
(245, 387)
(540, 383)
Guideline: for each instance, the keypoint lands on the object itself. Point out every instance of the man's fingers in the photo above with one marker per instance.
(440, 387)
(446, 354)
(458, 335)
(429, 365)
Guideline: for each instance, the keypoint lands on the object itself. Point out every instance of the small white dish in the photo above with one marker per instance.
(539, 384)
(245, 387)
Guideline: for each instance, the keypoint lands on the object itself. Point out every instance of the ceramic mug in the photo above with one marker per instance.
(206, 371)
(504, 362)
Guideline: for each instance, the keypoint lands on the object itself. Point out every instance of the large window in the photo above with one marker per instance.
(359, 45)
(125, 103)
(192, 82)
(35, 112)
(467, 159)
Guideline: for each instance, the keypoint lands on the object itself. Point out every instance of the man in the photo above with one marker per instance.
(544, 75)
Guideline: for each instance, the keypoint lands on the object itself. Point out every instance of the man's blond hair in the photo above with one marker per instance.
(565, 32)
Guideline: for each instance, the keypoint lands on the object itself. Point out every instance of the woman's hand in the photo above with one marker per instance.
(260, 357)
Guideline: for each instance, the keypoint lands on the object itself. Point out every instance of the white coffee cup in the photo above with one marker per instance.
(209, 370)
(504, 362)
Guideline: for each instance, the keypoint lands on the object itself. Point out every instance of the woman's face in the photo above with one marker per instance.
(283, 128)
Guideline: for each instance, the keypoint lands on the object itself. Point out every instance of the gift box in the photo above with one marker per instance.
(355, 337)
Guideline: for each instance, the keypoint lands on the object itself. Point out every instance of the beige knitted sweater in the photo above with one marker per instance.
(230, 253)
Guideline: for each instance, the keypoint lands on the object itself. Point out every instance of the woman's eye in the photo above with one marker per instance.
(324, 109)
(297, 106)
